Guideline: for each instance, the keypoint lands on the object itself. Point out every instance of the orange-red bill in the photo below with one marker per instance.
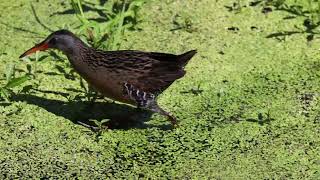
(39, 47)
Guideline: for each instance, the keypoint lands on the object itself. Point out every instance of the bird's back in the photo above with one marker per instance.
(147, 71)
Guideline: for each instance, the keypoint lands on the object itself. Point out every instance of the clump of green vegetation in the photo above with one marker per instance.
(108, 33)
(6, 91)
(11, 82)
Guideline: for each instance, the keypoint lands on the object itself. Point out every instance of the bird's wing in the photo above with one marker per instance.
(155, 72)
(148, 71)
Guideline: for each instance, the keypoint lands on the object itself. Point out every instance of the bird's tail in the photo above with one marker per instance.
(185, 57)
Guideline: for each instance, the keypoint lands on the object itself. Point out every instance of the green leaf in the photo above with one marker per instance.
(16, 82)
(104, 121)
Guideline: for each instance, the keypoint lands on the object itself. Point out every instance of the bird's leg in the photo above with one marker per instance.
(154, 107)
(145, 100)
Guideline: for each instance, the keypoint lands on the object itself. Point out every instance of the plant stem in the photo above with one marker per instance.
(80, 9)
(119, 31)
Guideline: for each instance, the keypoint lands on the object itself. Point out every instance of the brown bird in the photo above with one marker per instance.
(132, 77)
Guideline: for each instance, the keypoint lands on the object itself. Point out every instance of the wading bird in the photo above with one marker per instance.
(132, 77)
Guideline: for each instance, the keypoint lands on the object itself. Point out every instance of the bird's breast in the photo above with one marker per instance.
(107, 83)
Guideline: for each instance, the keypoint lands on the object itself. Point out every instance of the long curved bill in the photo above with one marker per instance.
(39, 47)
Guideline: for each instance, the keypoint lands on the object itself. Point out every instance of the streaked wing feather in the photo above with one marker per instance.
(149, 71)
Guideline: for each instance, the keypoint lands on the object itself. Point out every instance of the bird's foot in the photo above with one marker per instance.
(146, 100)
(172, 120)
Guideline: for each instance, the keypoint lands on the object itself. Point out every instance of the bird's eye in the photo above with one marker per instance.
(53, 40)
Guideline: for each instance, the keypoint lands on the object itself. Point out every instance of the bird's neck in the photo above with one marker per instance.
(74, 50)
(77, 57)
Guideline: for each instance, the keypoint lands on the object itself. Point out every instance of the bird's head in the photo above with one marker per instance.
(62, 40)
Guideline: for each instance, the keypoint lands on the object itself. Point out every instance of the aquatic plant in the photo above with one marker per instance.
(107, 33)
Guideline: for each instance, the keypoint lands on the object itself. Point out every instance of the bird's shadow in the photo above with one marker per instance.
(93, 115)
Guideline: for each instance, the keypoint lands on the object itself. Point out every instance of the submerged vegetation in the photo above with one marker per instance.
(248, 105)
